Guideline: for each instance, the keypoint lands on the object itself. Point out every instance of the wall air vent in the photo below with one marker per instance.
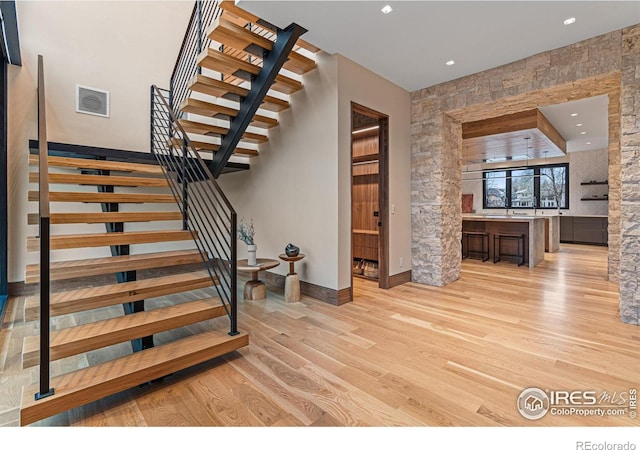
(92, 101)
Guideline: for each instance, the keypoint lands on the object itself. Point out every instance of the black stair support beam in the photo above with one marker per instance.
(259, 87)
(123, 277)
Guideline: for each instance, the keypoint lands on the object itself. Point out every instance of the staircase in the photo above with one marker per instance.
(89, 323)
(217, 94)
(165, 310)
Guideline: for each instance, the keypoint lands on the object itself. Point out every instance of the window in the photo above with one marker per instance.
(543, 187)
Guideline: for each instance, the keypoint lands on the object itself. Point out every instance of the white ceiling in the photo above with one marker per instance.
(411, 45)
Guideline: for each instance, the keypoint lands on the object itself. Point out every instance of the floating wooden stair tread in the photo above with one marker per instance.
(85, 299)
(67, 270)
(62, 242)
(92, 336)
(221, 89)
(108, 217)
(194, 106)
(206, 129)
(96, 382)
(230, 34)
(223, 63)
(80, 163)
(104, 197)
(211, 147)
(229, 7)
(100, 180)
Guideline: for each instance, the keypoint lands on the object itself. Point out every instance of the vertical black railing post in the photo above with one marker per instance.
(45, 247)
(234, 277)
(185, 186)
(199, 29)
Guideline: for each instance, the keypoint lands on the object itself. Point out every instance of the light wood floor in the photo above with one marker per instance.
(411, 356)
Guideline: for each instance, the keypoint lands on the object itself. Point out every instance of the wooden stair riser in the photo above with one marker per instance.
(230, 8)
(228, 91)
(92, 336)
(63, 242)
(202, 108)
(80, 163)
(103, 197)
(205, 129)
(101, 180)
(103, 296)
(67, 270)
(236, 36)
(219, 62)
(96, 382)
(209, 147)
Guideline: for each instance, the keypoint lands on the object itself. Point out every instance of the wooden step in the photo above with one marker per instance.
(229, 7)
(214, 60)
(67, 270)
(63, 242)
(108, 217)
(80, 163)
(85, 299)
(206, 129)
(92, 336)
(104, 197)
(100, 180)
(211, 147)
(193, 106)
(230, 34)
(93, 383)
(221, 89)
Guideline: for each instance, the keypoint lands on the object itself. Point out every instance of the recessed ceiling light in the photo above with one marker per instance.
(588, 143)
(574, 114)
(578, 124)
(387, 9)
(570, 20)
(583, 132)
(451, 62)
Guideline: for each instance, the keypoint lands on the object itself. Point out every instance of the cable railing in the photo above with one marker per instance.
(194, 42)
(45, 238)
(206, 211)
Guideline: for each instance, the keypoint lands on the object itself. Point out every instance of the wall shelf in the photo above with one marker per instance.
(594, 183)
(594, 199)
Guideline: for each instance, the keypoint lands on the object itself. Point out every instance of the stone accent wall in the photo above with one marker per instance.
(630, 177)
(602, 65)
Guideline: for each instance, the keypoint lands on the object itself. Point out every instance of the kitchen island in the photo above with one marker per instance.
(532, 227)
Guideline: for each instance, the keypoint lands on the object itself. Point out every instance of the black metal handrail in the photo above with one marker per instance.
(206, 211)
(45, 238)
(194, 42)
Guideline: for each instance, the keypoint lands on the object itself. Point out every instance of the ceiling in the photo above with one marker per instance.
(411, 45)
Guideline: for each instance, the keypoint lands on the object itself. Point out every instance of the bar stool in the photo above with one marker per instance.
(484, 242)
(497, 247)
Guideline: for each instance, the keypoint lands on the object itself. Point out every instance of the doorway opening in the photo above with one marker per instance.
(369, 194)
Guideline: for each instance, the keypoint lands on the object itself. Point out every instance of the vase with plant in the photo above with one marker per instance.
(246, 232)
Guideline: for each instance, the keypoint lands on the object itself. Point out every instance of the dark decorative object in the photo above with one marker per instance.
(291, 250)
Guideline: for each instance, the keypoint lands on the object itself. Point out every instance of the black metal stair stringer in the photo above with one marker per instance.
(271, 66)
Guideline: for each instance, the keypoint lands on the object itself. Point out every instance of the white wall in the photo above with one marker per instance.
(119, 46)
(299, 189)
(584, 166)
(291, 190)
(359, 85)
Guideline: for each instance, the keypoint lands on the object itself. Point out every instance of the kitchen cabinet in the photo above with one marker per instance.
(584, 230)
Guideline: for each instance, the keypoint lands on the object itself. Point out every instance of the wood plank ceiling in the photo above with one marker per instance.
(512, 137)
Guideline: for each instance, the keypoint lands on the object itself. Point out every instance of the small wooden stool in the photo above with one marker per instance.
(292, 281)
(255, 289)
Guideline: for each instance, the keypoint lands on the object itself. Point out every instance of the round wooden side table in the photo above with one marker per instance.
(255, 289)
(292, 281)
